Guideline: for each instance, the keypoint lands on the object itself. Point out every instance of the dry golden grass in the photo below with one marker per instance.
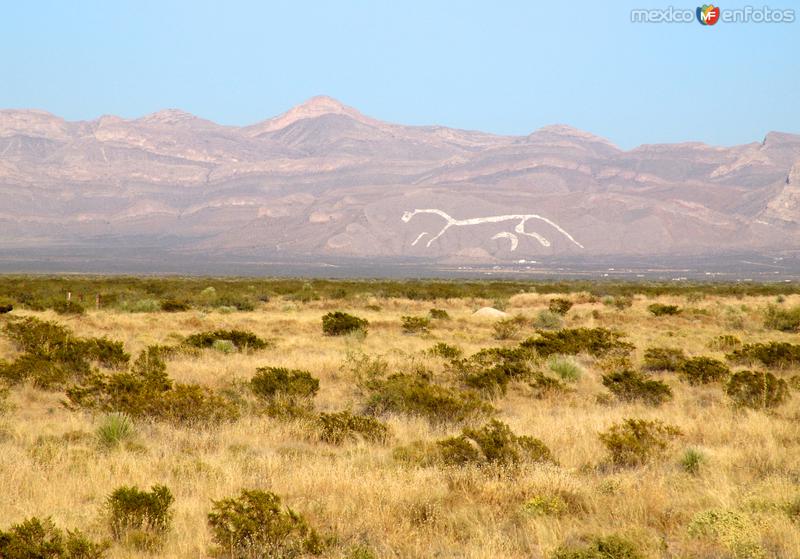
(50, 464)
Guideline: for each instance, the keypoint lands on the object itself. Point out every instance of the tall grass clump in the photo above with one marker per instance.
(114, 429)
(565, 367)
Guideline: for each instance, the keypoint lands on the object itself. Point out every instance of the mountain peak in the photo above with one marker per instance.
(168, 116)
(320, 105)
(566, 131)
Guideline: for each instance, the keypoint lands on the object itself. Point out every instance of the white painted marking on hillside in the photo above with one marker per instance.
(519, 228)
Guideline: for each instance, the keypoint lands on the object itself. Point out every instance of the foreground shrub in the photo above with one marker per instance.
(565, 367)
(416, 395)
(508, 328)
(114, 429)
(785, 320)
(594, 341)
(140, 518)
(415, 324)
(559, 306)
(340, 323)
(636, 441)
(242, 339)
(607, 547)
(256, 525)
(731, 529)
(35, 538)
(772, 354)
(657, 309)
(445, 351)
(337, 428)
(631, 386)
(68, 307)
(494, 443)
(704, 370)
(271, 382)
(663, 359)
(756, 389)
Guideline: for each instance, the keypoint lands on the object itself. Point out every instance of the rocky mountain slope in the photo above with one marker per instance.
(325, 180)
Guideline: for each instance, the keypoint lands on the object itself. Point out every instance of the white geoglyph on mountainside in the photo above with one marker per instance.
(519, 229)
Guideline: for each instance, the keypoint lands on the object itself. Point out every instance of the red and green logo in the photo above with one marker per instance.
(708, 14)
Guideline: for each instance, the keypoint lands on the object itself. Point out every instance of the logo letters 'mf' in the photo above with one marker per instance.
(707, 14)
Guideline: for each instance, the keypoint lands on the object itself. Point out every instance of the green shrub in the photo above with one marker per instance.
(172, 305)
(756, 389)
(68, 307)
(234, 303)
(704, 370)
(115, 428)
(35, 539)
(445, 351)
(271, 382)
(725, 342)
(785, 320)
(6, 307)
(256, 525)
(415, 324)
(143, 305)
(340, 323)
(594, 341)
(415, 395)
(439, 314)
(547, 320)
(607, 547)
(242, 339)
(731, 529)
(108, 353)
(620, 302)
(555, 503)
(559, 305)
(491, 369)
(336, 428)
(663, 359)
(692, 460)
(140, 518)
(636, 441)
(565, 367)
(631, 386)
(657, 309)
(508, 328)
(544, 385)
(772, 354)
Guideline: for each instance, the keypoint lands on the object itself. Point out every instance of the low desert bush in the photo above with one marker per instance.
(415, 324)
(555, 503)
(337, 428)
(68, 307)
(254, 524)
(547, 320)
(340, 323)
(704, 370)
(242, 339)
(757, 389)
(139, 518)
(632, 386)
(659, 309)
(173, 305)
(416, 395)
(733, 530)
(491, 369)
(508, 328)
(278, 382)
(559, 305)
(785, 320)
(772, 354)
(446, 351)
(594, 341)
(619, 302)
(565, 367)
(663, 359)
(636, 441)
(115, 428)
(605, 547)
(439, 314)
(41, 539)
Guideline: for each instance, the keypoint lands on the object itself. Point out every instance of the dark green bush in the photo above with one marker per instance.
(172, 305)
(140, 518)
(415, 395)
(508, 328)
(68, 307)
(491, 369)
(340, 323)
(607, 547)
(242, 339)
(41, 539)
(439, 314)
(663, 359)
(336, 428)
(415, 324)
(595, 341)
(631, 386)
(756, 389)
(108, 353)
(772, 354)
(785, 320)
(256, 525)
(271, 382)
(636, 441)
(704, 370)
(560, 305)
(445, 351)
(658, 309)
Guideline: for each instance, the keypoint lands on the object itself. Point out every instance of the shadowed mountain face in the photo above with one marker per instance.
(325, 180)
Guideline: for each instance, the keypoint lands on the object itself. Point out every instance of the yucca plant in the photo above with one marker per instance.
(115, 428)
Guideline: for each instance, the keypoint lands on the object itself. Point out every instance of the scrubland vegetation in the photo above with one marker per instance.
(281, 418)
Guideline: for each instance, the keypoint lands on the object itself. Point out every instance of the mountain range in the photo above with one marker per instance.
(325, 181)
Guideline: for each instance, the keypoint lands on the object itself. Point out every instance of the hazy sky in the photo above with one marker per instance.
(505, 67)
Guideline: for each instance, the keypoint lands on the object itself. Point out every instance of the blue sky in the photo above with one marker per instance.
(500, 66)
